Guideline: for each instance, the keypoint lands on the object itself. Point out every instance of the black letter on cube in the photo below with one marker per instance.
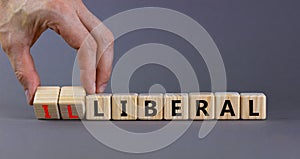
(230, 110)
(174, 107)
(150, 105)
(203, 108)
(123, 102)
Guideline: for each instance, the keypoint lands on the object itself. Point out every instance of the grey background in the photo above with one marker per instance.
(259, 43)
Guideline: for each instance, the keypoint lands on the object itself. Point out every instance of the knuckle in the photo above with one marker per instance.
(7, 48)
(21, 76)
(87, 44)
(27, 78)
(58, 7)
(12, 45)
(5, 45)
(108, 41)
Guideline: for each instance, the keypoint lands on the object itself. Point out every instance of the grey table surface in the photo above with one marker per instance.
(259, 44)
(30, 138)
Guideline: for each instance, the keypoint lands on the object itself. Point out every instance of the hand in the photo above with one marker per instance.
(23, 21)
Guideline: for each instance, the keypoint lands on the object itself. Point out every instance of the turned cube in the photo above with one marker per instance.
(45, 103)
(72, 102)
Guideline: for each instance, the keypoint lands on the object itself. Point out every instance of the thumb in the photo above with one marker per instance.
(23, 65)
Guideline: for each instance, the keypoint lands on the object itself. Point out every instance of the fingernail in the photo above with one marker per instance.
(27, 94)
(101, 89)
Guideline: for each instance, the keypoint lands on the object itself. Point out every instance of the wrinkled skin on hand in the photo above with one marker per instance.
(23, 21)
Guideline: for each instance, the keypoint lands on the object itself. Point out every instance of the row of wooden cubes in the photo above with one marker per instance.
(72, 103)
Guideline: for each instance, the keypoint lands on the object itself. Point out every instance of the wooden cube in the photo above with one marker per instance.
(98, 107)
(45, 103)
(227, 105)
(72, 109)
(176, 106)
(72, 102)
(124, 106)
(202, 106)
(150, 106)
(253, 106)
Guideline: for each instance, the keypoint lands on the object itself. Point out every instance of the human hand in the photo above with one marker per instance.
(23, 21)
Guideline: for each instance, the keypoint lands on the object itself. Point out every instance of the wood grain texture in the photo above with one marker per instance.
(202, 105)
(72, 88)
(47, 88)
(253, 106)
(45, 103)
(229, 104)
(98, 107)
(176, 106)
(120, 102)
(150, 106)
